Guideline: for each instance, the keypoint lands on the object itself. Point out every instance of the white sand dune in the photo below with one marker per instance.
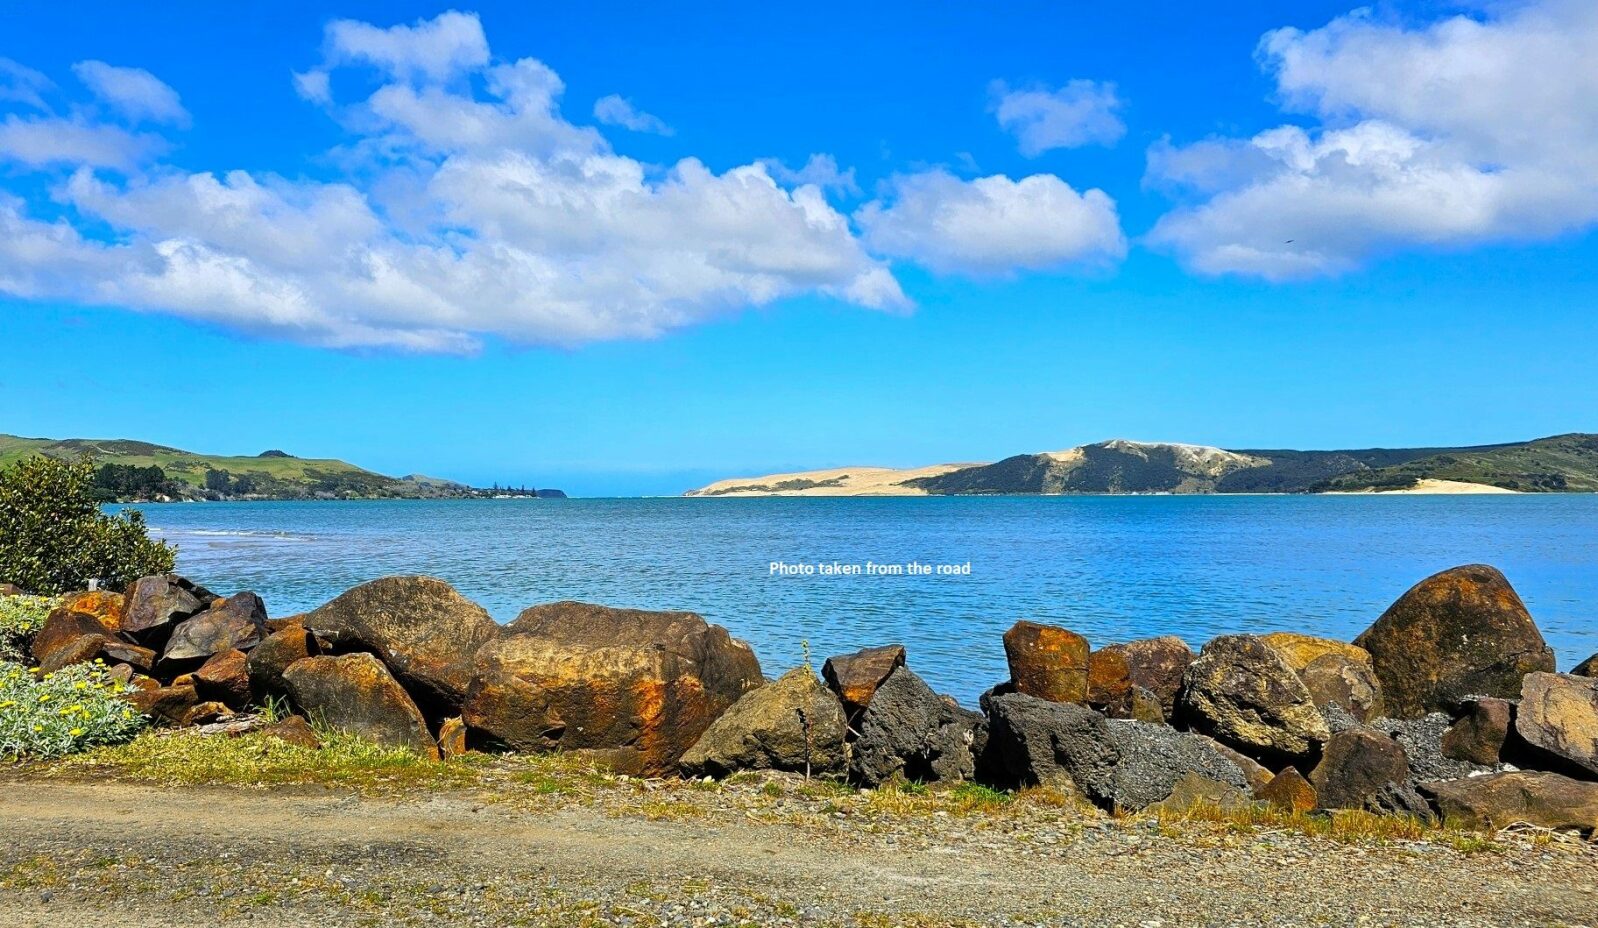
(837, 481)
(1429, 485)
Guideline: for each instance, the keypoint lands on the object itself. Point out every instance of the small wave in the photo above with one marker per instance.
(225, 533)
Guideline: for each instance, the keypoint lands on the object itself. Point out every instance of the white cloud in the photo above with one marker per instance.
(21, 84)
(473, 208)
(992, 225)
(314, 85)
(1450, 134)
(47, 140)
(432, 50)
(616, 110)
(134, 92)
(1080, 113)
(820, 170)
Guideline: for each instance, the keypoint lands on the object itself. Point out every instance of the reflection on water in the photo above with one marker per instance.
(1111, 568)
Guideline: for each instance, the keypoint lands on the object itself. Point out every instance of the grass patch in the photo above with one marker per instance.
(1345, 826)
(187, 757)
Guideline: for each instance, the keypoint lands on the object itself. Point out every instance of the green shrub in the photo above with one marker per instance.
(61, 713)
(54, 538)
(20, 618)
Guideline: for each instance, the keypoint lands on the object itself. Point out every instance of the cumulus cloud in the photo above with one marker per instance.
(1458, 132)
(992, 225)
(1077, 114)
(616, 110)
(475, 208)
(134, 92)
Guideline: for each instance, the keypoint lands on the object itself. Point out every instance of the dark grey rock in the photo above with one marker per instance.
(909, 731)
(1422, 740)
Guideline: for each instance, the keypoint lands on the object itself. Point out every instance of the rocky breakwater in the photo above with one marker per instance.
(1448, 707)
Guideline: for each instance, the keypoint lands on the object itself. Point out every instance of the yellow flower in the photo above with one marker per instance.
(44, 697)
(80, 685)
(75, 732)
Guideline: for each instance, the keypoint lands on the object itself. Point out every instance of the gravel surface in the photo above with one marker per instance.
(132, 855)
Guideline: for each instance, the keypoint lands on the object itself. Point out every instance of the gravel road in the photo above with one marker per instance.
(78, 853)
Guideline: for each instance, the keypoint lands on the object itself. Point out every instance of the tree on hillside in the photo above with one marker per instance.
(54, 538)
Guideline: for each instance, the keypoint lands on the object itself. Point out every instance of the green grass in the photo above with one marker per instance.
(186, 466)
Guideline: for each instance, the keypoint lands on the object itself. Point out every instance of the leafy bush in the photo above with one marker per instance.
(54, 538)
(61, 713)
(20, 618)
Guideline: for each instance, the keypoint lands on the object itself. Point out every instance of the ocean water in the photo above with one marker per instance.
(1111, 568)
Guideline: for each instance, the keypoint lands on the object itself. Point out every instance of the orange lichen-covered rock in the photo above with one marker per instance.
(356, 693)
(1289, 791)
(634, 688)
(225, 678)
(276, 652)
(106, 608)
(1047, 661)
(1463, 632)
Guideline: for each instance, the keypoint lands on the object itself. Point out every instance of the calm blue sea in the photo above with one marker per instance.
(1112, 568)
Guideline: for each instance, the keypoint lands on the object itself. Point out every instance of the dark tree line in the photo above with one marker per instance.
(128, 481)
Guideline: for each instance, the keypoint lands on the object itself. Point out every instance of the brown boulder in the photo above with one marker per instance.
(236, 622)
(1254, 772)
(118, 652)
(420, 627)
(1047, 661)
(1547, 800)
(1478, 736)
(79, 650)
(1458, 633)
(64, 628)
(636, 688)
(856, 677)
(355, 693)
(1156, 665)
(1558, 716)
(1289, 791)
(1354, 767)
(1335, 679)
(793, 723)
(169, 704)
(274, 654)
(225, 678)
(1587, 668)
(205, 713)
(293, 729)
(1110, 683)
(154, 603)
(452, 738)
(1242, 692)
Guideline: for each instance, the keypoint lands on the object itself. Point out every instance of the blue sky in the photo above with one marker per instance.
(469, 244)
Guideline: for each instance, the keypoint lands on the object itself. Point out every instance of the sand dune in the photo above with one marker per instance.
(837, 481)
(1431, 485)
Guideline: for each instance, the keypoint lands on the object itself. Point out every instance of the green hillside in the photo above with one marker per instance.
(125, 471)
(1562, 463)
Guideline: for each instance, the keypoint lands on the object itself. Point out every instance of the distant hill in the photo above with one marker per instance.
(138, 470)
(1562, 463)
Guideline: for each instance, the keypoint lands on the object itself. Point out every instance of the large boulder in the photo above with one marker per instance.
(355, 693)
(238, 622)
(224, 678)
(1242, 692)
(1156, 665)
(1047, 661)
(1289, 792)
(1355, 766)
(1120, 764)
(276, 652)
(65, 630)
(1334, 672)
(156, 603)
(909, 732)
(636, 689)
(1478, 736)
(168, 705)
(1558, 716)
(1547, 800)
(1463, 632)
(1587, 668)
(421, 628)
(794, 724)
(106, 607)
(856, 677)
